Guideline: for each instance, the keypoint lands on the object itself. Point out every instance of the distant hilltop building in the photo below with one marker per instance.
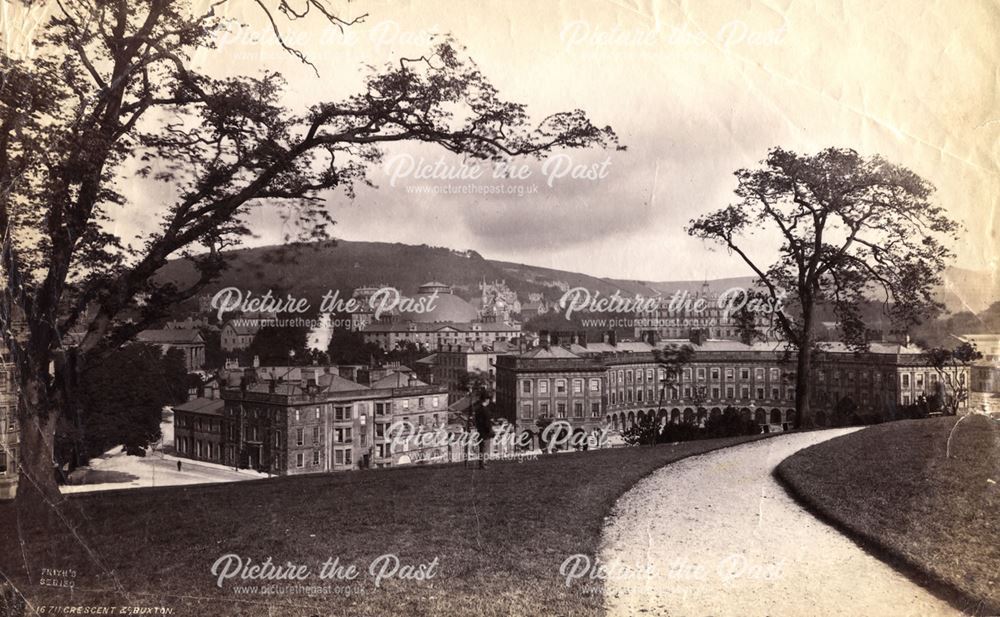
(497, 301)
(536, 305)
(365, 314)
(239, 332)
(678, 319)
(450, 320)
(188, 340)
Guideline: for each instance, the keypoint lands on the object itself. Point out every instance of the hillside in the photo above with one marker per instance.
(309, 270)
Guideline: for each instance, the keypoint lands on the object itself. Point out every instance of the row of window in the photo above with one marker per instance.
(346, 412)
(528, 410)
(541, 386)
(631, 395)
(932, 378)
(199, 448)
(199, 424)
(341, 456)
(699, 373)
(340, 435)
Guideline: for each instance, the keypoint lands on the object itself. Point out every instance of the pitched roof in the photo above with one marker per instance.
(208, 406)
(549, 352)
(174, 336)
(241, 326)
(397, 380)
(466, 326)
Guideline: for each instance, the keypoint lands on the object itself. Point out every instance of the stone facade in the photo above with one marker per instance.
(616, 385)
(292, 420)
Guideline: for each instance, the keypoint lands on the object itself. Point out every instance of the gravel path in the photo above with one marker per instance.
(716, 535)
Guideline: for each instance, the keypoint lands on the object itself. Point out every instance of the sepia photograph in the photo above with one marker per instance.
(365, 308)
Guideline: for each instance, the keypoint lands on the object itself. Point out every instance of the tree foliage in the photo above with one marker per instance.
(851, 228)
(121, 402)
(643, 432)
(111, 94)
(952, 368)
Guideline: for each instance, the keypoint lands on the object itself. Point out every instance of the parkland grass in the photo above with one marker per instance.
(499, 536)
(892, 488)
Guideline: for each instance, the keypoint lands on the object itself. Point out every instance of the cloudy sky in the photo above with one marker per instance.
(695, 90)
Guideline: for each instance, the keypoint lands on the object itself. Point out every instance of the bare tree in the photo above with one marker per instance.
(852, 228)
(112, 94)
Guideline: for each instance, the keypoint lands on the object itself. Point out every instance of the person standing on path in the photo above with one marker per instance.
(178, 465)
(484, 425)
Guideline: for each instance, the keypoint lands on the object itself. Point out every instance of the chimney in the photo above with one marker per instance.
(698, 336)
(256, 361)
(543, 339)
(612, 338)
(581, 338)
(649, 337)
(554, 339)
(574, 338)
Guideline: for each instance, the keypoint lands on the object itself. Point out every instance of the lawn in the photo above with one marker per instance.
(892, 488)
(499, 537)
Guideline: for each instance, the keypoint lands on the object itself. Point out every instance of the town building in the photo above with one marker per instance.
(434, 317)
(188, 340)
(198, 430)
(984, 392)
(292, 420)
(536, 305)
(430, 336)
(497, 302)
(454, 365)
(685, 312)
(616, 384)
(551, 383)
(237, 334)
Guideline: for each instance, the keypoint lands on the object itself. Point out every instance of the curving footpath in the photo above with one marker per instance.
(716, 535)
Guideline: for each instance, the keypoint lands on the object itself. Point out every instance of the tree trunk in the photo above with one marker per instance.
(802, 376)
(36, 485)
(803, 372)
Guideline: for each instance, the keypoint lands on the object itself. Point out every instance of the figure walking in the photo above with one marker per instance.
(484, 425)
(178, 465)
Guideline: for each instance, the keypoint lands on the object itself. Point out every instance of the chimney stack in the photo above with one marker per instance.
(543, 339)
(581, 338)
(698, 336)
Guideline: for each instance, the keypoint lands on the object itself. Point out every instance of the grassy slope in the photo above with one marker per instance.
(891, 487)
(500, 535)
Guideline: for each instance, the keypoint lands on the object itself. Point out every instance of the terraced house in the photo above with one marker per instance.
(593, 385)
(291, 420)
